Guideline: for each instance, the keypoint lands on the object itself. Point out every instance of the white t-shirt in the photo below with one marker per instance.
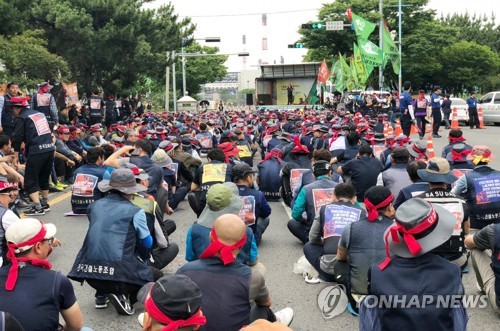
(7, 220)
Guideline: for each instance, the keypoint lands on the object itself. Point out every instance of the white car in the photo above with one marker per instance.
(462, 113)
(490, 103)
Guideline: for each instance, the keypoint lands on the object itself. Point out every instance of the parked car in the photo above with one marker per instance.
(462, 114)
(490, 103)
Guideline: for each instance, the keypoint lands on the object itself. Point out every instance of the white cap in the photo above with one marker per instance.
(25, 229)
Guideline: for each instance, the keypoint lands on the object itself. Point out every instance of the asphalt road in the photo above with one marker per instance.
(279, 251)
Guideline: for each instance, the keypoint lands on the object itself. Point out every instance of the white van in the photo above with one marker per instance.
(490, 103)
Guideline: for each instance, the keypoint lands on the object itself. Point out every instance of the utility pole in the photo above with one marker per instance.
(381, 45)
(167, 83)
(183, 70)
(400, 76)
(174, 95)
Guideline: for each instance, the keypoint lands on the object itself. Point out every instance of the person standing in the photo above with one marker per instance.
(406, 108)
(472, 110)
(45, 103)
(420, 105)
(446, 108)
(96, 105)
(6, 115)
(289, 93)
(436, 112)
(32, 129)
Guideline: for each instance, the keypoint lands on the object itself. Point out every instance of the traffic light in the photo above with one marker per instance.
(313, 26)
(296, 45)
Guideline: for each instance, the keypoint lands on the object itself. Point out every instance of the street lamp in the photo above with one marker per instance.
(183, 42)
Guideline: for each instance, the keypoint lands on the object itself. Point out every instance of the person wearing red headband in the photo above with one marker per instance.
(413, 271)
(479, 188)
(6, 115)
(29, 290)
(455, 136)
(43, 101)
(228, 286)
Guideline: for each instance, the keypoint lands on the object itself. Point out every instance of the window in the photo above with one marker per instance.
(497, 99)
(487, 98)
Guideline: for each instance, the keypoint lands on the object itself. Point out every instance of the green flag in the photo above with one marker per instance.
(391, 52)
(371, 54)
(362, 27)
(360, 66)
(347, 79)
(354, 73)
(312, 97)
(334, 71)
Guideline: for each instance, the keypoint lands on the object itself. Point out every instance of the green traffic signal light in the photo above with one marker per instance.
(299, 45)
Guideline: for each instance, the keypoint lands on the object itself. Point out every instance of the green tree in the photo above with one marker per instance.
(201, 69)
(28, 61)
(467, 65)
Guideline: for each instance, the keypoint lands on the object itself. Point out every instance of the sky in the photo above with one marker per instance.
(231, 19)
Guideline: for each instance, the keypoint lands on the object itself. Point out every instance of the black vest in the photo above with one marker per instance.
(41, 103)
(7, 115)
(154, 171)
(212, 173)
(109, 248)
(318, 194)
(245, 154)
(269, 178)
(37, 134)
(95, 105)
(85, 190)
(483, 199)
(428, 274)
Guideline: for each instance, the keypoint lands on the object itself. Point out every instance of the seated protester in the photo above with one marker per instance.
(213, 172)
(96, 132)
(162, 251)
(188, 148)
(229, 286)
(351, 151)
(363, 171)
(439, 176)
(34, 294)
(257, 210)
(401, 141)
(362, 244)
(337, 142)
(310, 200)
(63, 170)
(455, 136)
(130, 137)
(324, 237)
(139, 156)
(84, 190)
(80, 139)
(307, 177)
(189, 161)
(418, 151)
(116, 228)
(395, 178)
(184, 175)
(412, 270)
(484, 248)
(206, 138)
(320, 140)
(418, 187)
(74, 144)
(175, 194)
(269, 179)
(244, 147)
(231, 153)
(457, 157)
(9, 189)
(292, 170)
(221, 200)
(171, 303)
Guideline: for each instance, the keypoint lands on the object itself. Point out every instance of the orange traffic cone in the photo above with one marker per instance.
(398, 129)
(430, 147)
(454, 119)
(480, 115)
(390, 130)
(386, 128)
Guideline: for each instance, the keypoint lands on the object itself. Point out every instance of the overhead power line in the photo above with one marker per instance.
(254, 14)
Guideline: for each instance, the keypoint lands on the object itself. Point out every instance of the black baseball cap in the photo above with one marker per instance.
(242, 169)
(176, 296)
(321, 168)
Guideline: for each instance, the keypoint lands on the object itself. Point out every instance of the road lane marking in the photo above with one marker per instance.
(287, 209)
(53, 201)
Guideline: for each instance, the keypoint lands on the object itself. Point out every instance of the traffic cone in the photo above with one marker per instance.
(454, 120)
(390, 130)
(430, 147)
(386, 128)
(480, 115)
(398, 129)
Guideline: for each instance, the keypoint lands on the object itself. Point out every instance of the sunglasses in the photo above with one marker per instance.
(50, 240)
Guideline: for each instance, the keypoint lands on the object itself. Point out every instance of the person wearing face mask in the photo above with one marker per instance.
(257, 216)
(30, 291)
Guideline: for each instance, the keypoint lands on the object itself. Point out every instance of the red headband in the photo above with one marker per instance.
(457, 156)
(421, 155)
(6, 185)
(408, 236)
(273, 153)
(14, 269)
(171, 325)
(226, 252)
(455, 140)
(299, 148)
(373, 209)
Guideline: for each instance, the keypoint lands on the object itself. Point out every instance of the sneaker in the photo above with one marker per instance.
(121, 304)
(140, 318)
(21, 204)
(436, 136)
(101, 301)
(284, 316)
(61, 185)
(54, 188)
(45, 205)
(34, 212)
(314, 280)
